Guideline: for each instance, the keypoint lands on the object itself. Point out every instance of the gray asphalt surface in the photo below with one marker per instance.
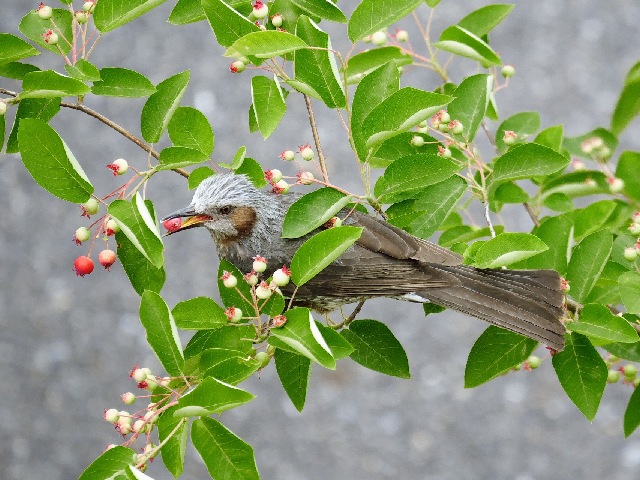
(67, 343)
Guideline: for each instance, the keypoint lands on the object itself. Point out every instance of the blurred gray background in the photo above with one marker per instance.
(67, 343)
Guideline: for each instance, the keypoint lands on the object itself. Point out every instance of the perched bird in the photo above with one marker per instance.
(385, 262)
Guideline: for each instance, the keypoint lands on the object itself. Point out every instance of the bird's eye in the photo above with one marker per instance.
(224, 210)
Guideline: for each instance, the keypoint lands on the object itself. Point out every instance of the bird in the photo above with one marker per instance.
(245, 221)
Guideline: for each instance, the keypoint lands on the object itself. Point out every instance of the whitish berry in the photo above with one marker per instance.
(150, 417)
(260, 10)
(259, 264)
(280, 187)
(305, 178)
(234, 314)
(82, 235)
(444, 152)
(81, 17)
(277, 20)
(251, 278)
(263, 291)
(533, 362)
(263, 358)
(278, 321)
(90, 207)
(306, 152)
(508, 71)
(50, 37)
(119, 166)
(635, 228)
(282, 276)
(138, 375)
(288, 155)
(45, 12)
(379, 38)
(112, 415)
(274, 175)
(630, 254)
(510, 137)
(443, 116)
(417, 141)
(613, 376)
(125, 417)
(443, 127)
(616, 185)
(402, 36)
(229, 280)
(333, 222)
(455, 127)
(172, 225)
(237, 67)
(3, 108)
(578, 165)
(139, 426)
(83, 266)
(89, 6)
(107, 258)
(111, 227)
(629, 371)
(128, 398)
(151, 383)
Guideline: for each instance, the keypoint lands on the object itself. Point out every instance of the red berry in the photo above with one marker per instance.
(237, 67)
(107, 258)
(172, 225)
(119, 166)
(83, 266)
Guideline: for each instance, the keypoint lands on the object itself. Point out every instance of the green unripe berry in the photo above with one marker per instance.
(277, 20)
(91, 206)
(45, 12)
(81, 17)
(630, 254)
(379, 38)
(613, 376)
(402, 36)
(635, 228)
(629, 371)
(456, 127)
(89, 6)
(417, 141)
(533, 361)
(508, 71)
(82, 235)
(263, 358)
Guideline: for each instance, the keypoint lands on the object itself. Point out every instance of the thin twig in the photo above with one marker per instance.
(316, 139)
(351, 318)
(488, 218)
(532, 215)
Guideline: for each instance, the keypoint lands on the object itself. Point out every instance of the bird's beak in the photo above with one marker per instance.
(192, 219)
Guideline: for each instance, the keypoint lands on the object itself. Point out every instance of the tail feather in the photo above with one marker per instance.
(528, 302)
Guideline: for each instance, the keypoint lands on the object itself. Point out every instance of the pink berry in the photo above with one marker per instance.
(119, 166)
(83, 266)
(107, 258)
(173, 224)
(237, 67)
(279, 320)
(259, 264)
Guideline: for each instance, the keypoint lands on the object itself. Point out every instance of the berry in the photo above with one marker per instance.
(107, 258)
(263, 358)
(306, 152)
(533, 362)
(282, 276)
(508, 71)
(443, 127)
(273, 175)
(455, 127)
(616, 185)
(613, 376)
(288, 155)
(635, 228)
(630, 254)
(629, 371)
(172, 225)
(119, 166)
(251, 278)
(112, 415)
(578, 165)
(149, 450)
(151, 383)
(277, 20)
(402, 36)
(259, 264)
(45, 12)
(260, 10)
(604, 152)
(279, 320)
(379, 38)
(89, 6)
(125, 417)
(443, 116)
(81, 17)
(82, 235)
(510, 137)
(50, 37)
(128, 398)
(138, 375)
(229, 280)
(366, 39)
(305, 178)
(83, 266)
(233, 314)
(139, 426)
(237, 67)
(150, 417)
(90, 207)
(333, 222)
(280, 187)
(3, 108)
(111, 227)
(564, 285)
(263, 291)
(444, 152)
(417, 141)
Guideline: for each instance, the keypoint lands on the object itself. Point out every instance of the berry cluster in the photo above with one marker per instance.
(275, 178)
(81, 17)
(631, 253)
(627, 372)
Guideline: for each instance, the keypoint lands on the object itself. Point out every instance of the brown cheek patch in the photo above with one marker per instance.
(243, 218)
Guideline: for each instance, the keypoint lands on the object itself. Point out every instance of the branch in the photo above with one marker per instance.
(316, 139)
(532, 214)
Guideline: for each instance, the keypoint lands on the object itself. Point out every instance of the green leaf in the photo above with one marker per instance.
(51, 163)
(200, 313)
(606, 290)
(142, 274)
(432, 3)
(238, 297)
(178, 157)
(628, 351)
(430, 308)
(136, 221)
(319, 251)
(110, 465)
(598, 321)
(407, 176)
(465, 233)
(470, 103)
(174, 447)
(312, 210)
(294, 371)
(230, 337)
(628, 105)
(587, 261)
(400, 146)
(556, 233)
(495, 352)
(13, 48)
(373, 15)
(49, 84)
(198, 175)
(508, 248)
(480, 22)
(253, 171)
(111, 14)
(523, 124)
(317, 68)
(267, 44)
(423, 215)
(592, 218)
(159, 108)
(83, 70)
(366, 62)
(162, 334)
(527, 161)
(376, 348)
(632, 413)
(509, 193)
(227, 24)
(228, 365)
(399, 112)
(268, 104)
(32, 27)
(190, 128)
(211, 396)
(16, 70)
(574, 144)
(339, 346)
(122, 82)
(372, 90)
(225, 455)
(301, 333)
(459, 41)
(576, 184)
(186, 11)
(629, 284)
(321, 8)
(551, 137)
(582, 373)
(627, 170)
(43, 109)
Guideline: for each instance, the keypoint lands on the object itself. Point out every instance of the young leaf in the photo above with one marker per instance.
(253, 171)
(51, 163)
(294, 371)
(186, 11)
(137, 222)
(41, 108)
(632, 413)
(159, 108)
(174, 447)
(319, 251)
(312, 210)
(551, 137)
(373, 15)
(83, 70)
(376, 348)
(366, 62)
(523, 124)
(198, 175)
(190, 128)
(400, 112)
(227, 365)
(627, 170)
(49, 84)
(267, 44)
(629, 284)
(508, 248)
(459, 41)
(224, 454)
(527, 161)
(407, 176)
(211, 396)
(470, 103)
(598, 321)
(142, 274)
(325, 9)
(496, 351)
(227, 24)
(628, 105)
(587, 261)
(162, 334)
(582, 373)
(111, 464)
(480, 22)
(111, 14)
(13, 48)
(317, 68)
(200, 313)
(122, 82)
(177, 157)
(301, 334)
(32, 27)
(268, 104)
